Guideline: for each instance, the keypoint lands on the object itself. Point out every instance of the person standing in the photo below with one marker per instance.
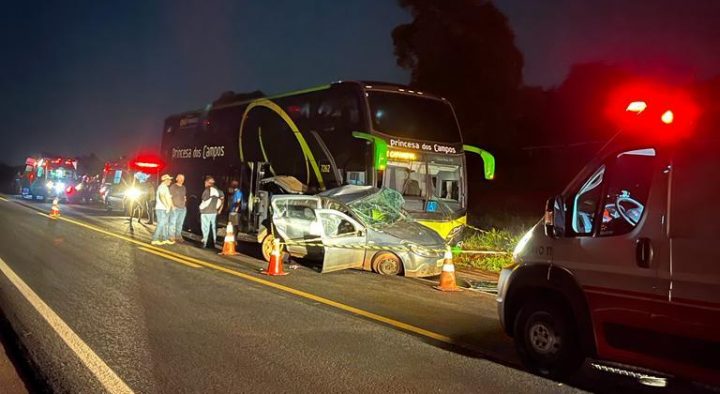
(179, 199)
(235, 196)
(212, 203)
(163, 209)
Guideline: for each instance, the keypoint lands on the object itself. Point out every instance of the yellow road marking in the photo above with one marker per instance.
(369, 315)
(3, 198)
(175, 259)
(47, 216)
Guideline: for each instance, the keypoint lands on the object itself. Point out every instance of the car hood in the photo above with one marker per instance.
(413, 232)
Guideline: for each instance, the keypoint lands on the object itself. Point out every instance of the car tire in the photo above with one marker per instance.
(386, 263)
(547, 339)
(266, 246)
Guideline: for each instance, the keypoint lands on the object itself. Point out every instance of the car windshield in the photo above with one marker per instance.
(413, 117)
(380, 209)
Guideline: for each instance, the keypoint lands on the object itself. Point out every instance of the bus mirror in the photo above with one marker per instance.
(487, 158)
(380, 148)
(554, 218)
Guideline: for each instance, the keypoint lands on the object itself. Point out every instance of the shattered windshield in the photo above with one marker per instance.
(379, 209)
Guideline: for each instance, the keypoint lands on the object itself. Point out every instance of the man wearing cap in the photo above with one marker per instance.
(163, 208)
(212, 203)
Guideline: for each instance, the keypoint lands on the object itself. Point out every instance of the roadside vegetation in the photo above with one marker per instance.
(499, 235)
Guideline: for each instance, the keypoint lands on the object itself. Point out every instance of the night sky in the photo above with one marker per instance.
(101, 76)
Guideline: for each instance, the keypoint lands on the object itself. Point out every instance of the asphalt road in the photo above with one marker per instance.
(181, 319)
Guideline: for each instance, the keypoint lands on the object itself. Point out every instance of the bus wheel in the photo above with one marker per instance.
(547, 340)
(267, 246)
(386, 263)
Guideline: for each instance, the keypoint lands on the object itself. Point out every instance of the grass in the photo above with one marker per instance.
(502, 239)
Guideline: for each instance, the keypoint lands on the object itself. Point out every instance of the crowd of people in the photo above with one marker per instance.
(171, 209)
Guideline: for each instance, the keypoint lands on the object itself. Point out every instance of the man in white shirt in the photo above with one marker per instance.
(163, 207)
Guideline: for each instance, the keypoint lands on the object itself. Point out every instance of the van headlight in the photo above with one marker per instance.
(59, 187)
(50, 184)
(133, 193)
(520, 247)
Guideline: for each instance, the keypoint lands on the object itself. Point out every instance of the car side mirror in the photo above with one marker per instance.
(554, 218)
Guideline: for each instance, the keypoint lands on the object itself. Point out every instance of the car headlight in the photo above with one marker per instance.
(50, 184)
(422, 251)
(59, 187)
(133, 193)
(520, 247)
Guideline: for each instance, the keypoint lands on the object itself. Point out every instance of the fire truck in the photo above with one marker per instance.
(48, 178)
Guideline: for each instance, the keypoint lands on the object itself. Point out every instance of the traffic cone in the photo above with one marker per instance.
(275, 266)
(229, 244)
(55, 209)
(447, 277)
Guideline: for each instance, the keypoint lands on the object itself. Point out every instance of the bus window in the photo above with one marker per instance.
(413, 117)
(408, 178)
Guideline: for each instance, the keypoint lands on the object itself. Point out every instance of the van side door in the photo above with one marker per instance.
(615, 246)
(694, 315)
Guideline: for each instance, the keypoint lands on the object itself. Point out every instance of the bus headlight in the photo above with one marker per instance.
(133, 193)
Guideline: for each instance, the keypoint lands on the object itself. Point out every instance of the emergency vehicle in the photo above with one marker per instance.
(625, 266)
(129, 185)
(45, 178)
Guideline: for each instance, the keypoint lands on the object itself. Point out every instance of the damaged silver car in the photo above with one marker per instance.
(358, 227)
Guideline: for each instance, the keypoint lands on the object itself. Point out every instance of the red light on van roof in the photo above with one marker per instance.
(659, 112)
(636, 106)
(143, 164)
(667, 117)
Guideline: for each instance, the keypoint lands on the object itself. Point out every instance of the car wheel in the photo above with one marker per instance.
(267, 246)
(386, 263)
(547, 340)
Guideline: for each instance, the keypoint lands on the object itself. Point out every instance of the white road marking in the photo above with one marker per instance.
(107, 377)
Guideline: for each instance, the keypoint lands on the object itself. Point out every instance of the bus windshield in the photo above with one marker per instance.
(413, 117)
(430, 183)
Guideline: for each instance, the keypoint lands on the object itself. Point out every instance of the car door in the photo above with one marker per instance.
(343, 239)
(295, 222)
(616, 246)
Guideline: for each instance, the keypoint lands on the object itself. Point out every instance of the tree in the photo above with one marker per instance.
(464, 50)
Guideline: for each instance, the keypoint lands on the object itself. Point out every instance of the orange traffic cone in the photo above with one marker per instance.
(55, 209)
(275, 266)
(447, 277)
(229, 244)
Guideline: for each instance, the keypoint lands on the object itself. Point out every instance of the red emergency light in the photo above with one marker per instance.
(660, 112)
(147, 163)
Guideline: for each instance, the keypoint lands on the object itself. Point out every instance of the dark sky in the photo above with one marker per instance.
(100, 76)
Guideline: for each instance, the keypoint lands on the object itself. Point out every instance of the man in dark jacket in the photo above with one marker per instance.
(211, 204)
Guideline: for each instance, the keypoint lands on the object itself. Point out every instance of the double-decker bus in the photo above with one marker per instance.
(350, 132)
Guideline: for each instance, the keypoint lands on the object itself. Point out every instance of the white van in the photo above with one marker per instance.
(625, 266)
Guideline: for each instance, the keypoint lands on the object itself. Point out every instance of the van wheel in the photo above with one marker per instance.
(547, 340)
(386, 263)
(267, 246)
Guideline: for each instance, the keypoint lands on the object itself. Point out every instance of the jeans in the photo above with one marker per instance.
(161, 231)
(208, 220)
(177, 218)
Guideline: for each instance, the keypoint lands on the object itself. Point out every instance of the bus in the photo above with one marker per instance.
(308, 141)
